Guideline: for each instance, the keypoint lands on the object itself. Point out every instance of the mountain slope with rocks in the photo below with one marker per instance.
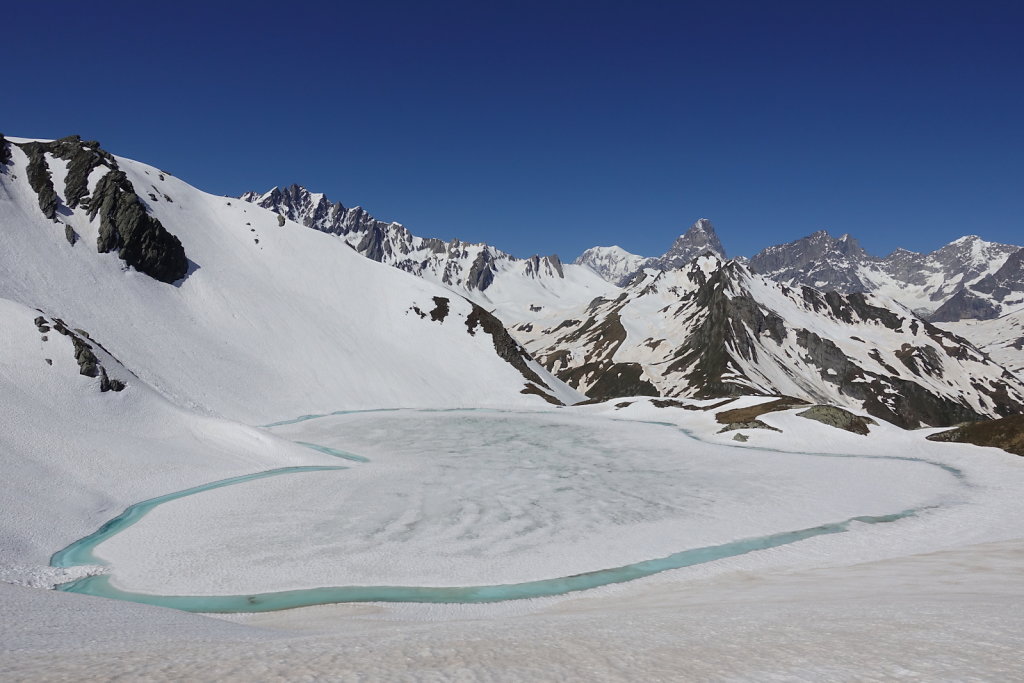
(716, 329)
(225, 308)
(513, 288)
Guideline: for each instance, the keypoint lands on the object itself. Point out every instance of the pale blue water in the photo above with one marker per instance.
(81, 553)
(269, 602)
(333, 451)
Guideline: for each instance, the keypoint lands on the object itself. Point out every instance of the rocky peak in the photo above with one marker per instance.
(126, 225)
(818, 260)
(700, 238)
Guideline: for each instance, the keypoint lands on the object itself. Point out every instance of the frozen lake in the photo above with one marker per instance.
(490, 505)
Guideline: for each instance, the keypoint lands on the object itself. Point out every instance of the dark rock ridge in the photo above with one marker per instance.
(39, 179)
(5, 153)
(463, 266)
(125, 225)
(507, 348)
(89, 364)
(140, 240)
(1006, 433)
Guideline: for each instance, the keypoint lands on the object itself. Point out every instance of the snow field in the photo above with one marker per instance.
(480, 498)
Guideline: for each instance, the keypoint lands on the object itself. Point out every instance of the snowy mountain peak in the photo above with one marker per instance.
(612, 263)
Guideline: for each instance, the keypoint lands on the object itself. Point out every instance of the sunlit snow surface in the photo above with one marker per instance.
(467, 498)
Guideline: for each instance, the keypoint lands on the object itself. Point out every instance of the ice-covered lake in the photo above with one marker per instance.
(489, 498)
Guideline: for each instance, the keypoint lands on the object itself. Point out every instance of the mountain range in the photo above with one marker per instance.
(818, 318)
(967, 278)
(204, 302)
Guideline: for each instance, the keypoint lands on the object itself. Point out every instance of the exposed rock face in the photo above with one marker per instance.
(1006, 433)
(751, 413)
(818, 260)
(140, 240)
(714, 329)
(39, 179)
(507, 348)
(701, 238)
(5, 153)
(88, 362)
(839, 418)
(990, 296)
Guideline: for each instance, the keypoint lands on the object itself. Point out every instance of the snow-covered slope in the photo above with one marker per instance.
(716, 329)
(242, 314)
(512, 288)
(921, 282)
(1001, 338)
(83, 437)
(611, 263)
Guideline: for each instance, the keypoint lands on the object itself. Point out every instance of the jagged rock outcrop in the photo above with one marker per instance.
(89, 364)
(701, 238)
(5, 153)
(468, 269)
(125, 225)
(140, 240)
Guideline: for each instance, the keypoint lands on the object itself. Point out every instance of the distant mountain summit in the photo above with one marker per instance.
(611, 263)
(921, 282)
(617, 265)
(701, 238)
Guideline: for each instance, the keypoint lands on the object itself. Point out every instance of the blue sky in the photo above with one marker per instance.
(554, 126)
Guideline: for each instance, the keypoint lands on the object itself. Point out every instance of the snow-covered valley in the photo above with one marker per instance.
(208, 406)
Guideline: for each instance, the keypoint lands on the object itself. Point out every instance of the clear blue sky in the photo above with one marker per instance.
(553, 126)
